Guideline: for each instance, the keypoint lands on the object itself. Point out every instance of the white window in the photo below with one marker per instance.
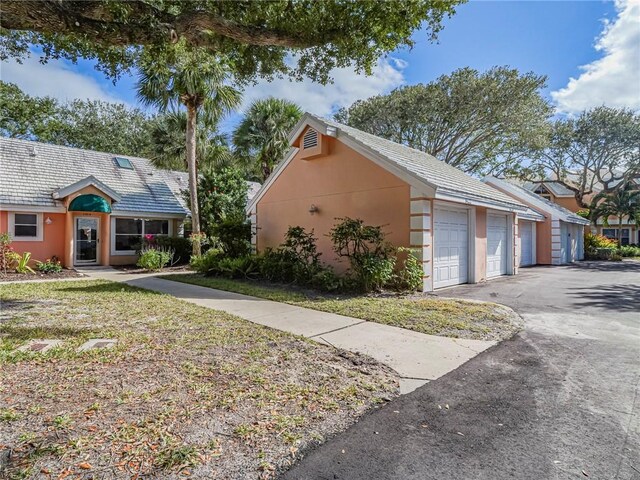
(25, 227)
(129, 233)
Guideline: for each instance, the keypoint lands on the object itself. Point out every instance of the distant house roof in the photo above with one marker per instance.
(36, 174)
(414, 166)
(555, 187)
(536, 201)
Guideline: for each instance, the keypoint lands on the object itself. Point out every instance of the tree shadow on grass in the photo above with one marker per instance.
(615, 298)
(111, 287)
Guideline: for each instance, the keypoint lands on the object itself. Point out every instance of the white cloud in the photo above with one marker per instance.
(56, 79)
(614, 79)
(347, 87)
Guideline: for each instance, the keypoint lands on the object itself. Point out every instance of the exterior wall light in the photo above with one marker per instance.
(48, 221)
(313, 209)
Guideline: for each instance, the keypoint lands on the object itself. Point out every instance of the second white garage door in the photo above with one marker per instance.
(526, 243)
(451, 246)
(497, 252)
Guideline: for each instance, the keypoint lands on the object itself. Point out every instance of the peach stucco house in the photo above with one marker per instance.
(627, 231)
(463, 229)
(84, 207)
(555, 240)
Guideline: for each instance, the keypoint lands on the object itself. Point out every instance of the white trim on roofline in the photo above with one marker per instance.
(410, 178)
(89, 181)
(539, 204)
(14, 207)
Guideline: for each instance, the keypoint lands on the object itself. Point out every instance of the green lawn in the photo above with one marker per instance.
(186, 391)
(435, 316)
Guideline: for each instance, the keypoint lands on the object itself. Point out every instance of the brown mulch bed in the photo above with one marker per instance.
(21, 277)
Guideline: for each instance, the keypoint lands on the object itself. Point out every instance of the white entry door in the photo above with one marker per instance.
(450, 246)
(497, 252)
(526, 243)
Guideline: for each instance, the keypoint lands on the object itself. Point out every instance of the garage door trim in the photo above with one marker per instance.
(470, 212)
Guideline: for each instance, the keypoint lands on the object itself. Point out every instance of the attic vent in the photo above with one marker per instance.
(310, 139)
(32, 151)
(123, 163)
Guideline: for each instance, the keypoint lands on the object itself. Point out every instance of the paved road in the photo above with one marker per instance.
(558, 401)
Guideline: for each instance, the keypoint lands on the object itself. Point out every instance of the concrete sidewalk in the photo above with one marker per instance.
(418, 358)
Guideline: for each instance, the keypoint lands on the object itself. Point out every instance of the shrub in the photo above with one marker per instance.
(234, 237)
(6, 252)
(409, 272)
(154, 258)
(181, 247)
(21, 262)
(593, 242)
(50, 265)
(326, 280)
(241, 267)
(295, 260)
(206, 263)
(369, 254)
(629, 251)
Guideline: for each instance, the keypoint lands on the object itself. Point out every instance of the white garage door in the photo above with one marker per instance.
(451, 246)
(526, 243)
(496, 245)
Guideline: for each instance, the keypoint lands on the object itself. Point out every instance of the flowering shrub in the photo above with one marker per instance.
(50, 265)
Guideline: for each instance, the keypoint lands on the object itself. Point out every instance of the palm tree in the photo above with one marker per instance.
(192, 79)
(168, 146)
(261, 138)
(621, 203)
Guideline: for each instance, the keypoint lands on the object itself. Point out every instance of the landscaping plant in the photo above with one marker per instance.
(154, 258)
(233, 236)
(22, 262)
(50, 265)
(369, 254)
(6, 252)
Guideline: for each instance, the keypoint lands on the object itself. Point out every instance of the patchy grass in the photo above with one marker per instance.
(185, 391)
(431, 315)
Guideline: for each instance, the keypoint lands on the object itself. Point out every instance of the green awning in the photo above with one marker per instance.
(89, 203)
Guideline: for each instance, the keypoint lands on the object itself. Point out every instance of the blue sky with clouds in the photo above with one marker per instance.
(589, 50)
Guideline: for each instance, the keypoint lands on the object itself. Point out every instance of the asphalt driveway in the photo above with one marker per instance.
(558, 401)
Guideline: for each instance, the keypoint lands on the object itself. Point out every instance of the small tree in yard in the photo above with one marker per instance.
(623, 202)
(196, 80)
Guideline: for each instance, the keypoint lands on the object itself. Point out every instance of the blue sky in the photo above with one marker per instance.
(590, 51)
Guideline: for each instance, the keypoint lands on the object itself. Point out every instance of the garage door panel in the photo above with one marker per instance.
(497, 241)
(451, 237)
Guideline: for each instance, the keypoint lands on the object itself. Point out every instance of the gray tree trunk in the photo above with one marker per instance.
(193, 174)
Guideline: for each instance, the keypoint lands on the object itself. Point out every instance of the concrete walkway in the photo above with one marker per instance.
(417, 357)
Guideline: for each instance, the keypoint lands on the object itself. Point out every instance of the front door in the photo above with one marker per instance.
(86, 241)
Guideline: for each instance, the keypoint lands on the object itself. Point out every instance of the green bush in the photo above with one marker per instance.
(234, 237)
(206, 263)
(181, 247)
(242, 267)
(21, 262)
(629, 251)
(326, 280)
(409, 271)
(369, 254)
(50, 265)
(296, 260)
(593, 242)
(154, 258)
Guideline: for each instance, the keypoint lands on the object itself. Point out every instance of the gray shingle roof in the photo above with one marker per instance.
(27, 179)
(526, 195)
(422, 166)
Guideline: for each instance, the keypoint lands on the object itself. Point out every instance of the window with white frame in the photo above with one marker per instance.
(25, 227)
(129, 233)
(610, 233)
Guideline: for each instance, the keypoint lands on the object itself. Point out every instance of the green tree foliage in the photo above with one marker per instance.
(169, 149)
(261, 138)
(222, 196)
(480, 123)
(23, 116)
(599, 151)
(196, 81)
(622, 203)
(89, 124)
(256, 36)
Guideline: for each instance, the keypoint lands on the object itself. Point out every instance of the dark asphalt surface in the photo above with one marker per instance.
(558, 401)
